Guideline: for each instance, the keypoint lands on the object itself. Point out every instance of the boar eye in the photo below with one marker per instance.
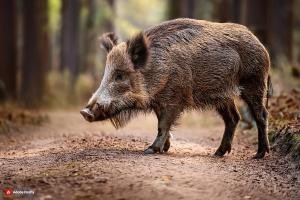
(119, 77)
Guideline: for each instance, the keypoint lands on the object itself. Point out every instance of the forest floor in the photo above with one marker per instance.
(69, 158)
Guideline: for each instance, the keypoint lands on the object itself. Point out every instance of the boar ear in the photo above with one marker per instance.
(137, 50)
(108, 41)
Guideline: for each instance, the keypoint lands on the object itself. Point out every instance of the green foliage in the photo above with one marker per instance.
(282, 79)
(84, 88)
(204, 9)
(134, 15)
(54, 14)
(105, 13)
(58, 87)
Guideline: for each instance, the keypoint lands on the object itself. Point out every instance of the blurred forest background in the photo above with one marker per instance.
(49, 56)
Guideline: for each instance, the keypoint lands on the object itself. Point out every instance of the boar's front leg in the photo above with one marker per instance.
(162, 141)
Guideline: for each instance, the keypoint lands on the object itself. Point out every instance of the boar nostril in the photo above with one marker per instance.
(87, 114)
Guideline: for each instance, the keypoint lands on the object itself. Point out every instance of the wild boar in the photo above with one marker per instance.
(180, 65)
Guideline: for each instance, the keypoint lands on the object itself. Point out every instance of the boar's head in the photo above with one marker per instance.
(122, 92)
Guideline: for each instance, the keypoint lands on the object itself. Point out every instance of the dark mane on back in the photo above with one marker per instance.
(172, 32)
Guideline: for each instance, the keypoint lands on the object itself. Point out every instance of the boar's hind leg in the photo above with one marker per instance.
(260, 114)
(231, 118)
(162, 141)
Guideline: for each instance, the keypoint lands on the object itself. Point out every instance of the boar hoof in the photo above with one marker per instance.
(222, 150)
(219, 153)
(259, 155)
(150, 151)
(167, 145)
(153, 150)
(160, 145)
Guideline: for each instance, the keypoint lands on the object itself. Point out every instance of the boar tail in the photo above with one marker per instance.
(269, 90)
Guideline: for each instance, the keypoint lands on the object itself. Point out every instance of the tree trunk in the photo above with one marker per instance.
(8, 54)
(181, 8)
(280, 29)
(228, 10)
(70, 38)
(256, 22)
(272, 24)
(89, 37)
(35, 59)
(109, 25)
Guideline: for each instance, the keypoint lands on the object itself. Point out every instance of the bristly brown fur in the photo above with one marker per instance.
(188, 64)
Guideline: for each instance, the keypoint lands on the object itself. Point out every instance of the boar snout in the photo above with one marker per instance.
(93, 113)
(87, 114)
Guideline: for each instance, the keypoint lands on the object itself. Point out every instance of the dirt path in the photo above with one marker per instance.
(72, 159)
